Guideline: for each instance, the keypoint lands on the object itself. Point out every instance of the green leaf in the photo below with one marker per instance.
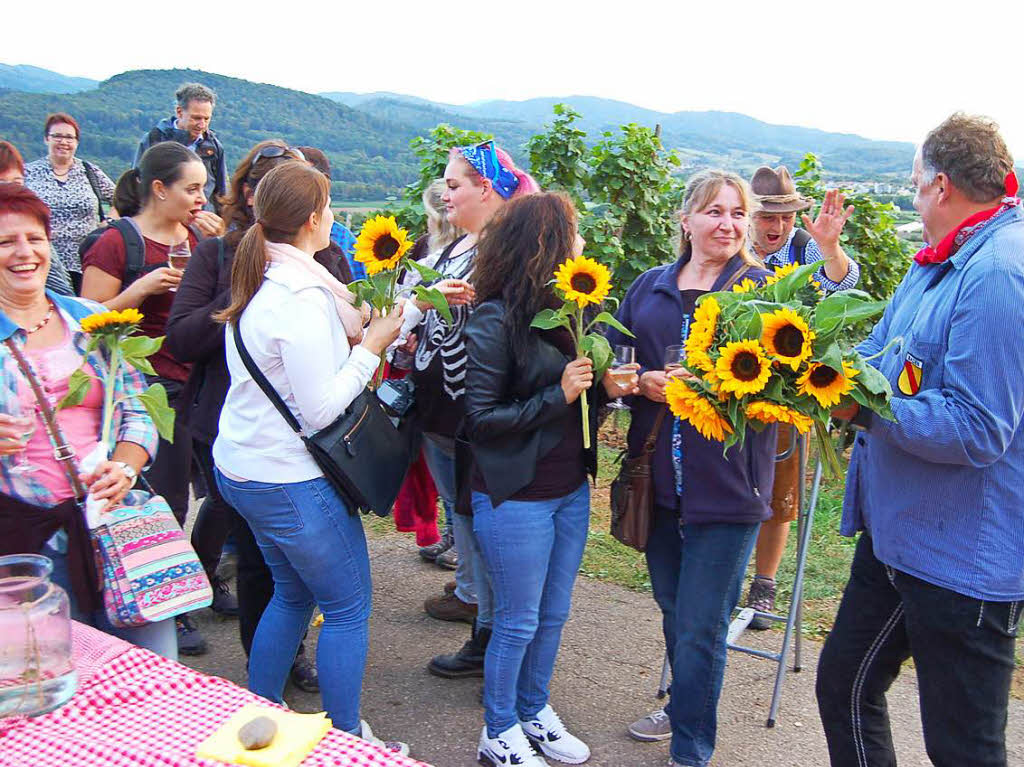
(833, 357)
(748, 324)
(547, 319)
(78, 386)
(786, 288)
(141, 346)
(845, 308)
(435, 298)
(609, 319)
(141, 364)
(596, 347)
(428, 274)
(873, 381)
(154, 399)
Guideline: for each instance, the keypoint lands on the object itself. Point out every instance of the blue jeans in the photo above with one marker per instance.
(533, 551)
(160, 637)
(696, 575)
(471, 582)
(317, 554)
(963, 655)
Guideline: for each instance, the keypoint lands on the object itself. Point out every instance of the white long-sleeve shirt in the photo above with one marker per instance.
(294, 335)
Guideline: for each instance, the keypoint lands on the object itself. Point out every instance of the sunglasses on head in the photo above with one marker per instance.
(274, 150)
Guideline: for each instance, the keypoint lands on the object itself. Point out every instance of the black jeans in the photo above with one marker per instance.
(215, 518)
(170, 471)
(963, 652)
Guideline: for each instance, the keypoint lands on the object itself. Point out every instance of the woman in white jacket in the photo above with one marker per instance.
(302, 330)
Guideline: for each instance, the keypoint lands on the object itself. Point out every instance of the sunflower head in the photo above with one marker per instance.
(745, 286)
(742, 368)
(827, 385)
(583, 280)
(702, 333)
(781, 273)
(786, 336)
(699, 412)
(381, 244)
(111, 322)
(769, 412)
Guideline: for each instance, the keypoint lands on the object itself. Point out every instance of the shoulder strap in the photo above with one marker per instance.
(446, 254)
(798, 247)
(134, 249)
(94, 182)
(62, 450)
(736, 277)
(262, 382)
(652, 438)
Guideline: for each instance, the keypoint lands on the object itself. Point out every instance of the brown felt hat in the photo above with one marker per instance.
(775, 191)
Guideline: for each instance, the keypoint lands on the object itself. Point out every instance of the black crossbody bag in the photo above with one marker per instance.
(364, 453)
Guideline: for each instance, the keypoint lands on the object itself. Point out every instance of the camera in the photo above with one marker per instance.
(396, 395)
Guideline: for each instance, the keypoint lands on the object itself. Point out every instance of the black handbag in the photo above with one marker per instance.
(365, 454)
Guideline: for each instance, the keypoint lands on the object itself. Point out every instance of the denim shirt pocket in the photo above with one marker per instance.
(918, 366)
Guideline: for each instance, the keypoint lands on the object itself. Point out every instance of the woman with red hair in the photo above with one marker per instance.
(75, 190)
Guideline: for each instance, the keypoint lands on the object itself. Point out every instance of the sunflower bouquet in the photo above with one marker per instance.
(776, 353)
(382, 247)
(582, 282)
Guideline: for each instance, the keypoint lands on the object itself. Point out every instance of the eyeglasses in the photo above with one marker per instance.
(275, 150)
(61, 137)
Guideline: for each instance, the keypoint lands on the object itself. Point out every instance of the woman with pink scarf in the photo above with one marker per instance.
(305, 335)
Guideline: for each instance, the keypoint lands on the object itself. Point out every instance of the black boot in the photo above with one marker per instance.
(467, 662)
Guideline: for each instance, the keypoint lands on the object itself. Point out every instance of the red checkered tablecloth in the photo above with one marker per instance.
(136, 709)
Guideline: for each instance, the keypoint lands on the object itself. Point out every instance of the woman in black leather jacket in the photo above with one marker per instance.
(530, 497)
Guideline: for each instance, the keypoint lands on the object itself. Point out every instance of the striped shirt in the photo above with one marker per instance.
(941, 490)
(786, 255)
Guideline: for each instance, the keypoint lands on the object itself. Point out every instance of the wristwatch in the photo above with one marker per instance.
(129, 471)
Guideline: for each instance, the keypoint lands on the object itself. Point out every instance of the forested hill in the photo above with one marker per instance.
(369, 152)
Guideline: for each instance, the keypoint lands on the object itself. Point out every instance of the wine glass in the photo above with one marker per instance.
(675, 356)
(178, 256)
(622, 372)
(21, 463)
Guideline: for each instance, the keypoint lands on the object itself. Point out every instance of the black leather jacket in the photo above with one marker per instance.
(515, 413)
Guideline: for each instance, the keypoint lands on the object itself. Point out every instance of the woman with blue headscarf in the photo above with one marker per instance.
(480, 180)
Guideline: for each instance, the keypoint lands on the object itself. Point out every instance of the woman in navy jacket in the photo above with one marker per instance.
(708, 507)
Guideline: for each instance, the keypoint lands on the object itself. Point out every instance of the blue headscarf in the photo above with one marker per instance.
(484, 159)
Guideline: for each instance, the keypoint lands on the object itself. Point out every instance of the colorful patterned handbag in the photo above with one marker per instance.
(148, 567)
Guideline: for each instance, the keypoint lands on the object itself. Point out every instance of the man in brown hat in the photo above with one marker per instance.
(777, 242)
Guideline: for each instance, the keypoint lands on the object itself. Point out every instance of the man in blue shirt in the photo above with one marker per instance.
(938, 573)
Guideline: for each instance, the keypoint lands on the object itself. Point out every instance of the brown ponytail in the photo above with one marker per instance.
(284, 200)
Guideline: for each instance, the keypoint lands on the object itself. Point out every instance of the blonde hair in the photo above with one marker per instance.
(702, 188)
(442, 232)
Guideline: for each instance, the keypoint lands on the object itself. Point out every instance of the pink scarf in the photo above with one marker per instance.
(344, 300)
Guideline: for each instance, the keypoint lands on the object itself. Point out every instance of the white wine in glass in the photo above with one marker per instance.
(178, 256)
(622, 372)
(675, 356)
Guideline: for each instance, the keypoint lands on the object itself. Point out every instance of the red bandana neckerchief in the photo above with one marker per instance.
(969, 227)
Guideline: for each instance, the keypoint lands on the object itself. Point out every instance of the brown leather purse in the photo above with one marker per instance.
(632, 491)
(632, 494)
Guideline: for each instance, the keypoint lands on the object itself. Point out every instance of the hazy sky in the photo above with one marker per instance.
(885, 70)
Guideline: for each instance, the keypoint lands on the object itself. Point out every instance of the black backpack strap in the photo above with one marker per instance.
(134, 250)
(94, 182)
(262, 382)
(798, 247)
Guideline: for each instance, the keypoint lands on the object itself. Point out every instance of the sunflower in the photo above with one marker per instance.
(769, 412)
(745, 286)
(687, 404)
(742, 368)
(779, 274)
(786, 336)
(111, 322)
(381, 244)
(825, 384)
(702, 333)
(583, 280)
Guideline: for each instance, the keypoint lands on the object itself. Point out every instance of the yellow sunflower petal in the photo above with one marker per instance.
(827, 385)
(583, 280)
(702, 334)
(381, 244)
(770, 412)
(786, 337)
(698, 411)
(743, 368)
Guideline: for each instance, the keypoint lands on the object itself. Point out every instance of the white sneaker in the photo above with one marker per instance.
(653, 727)
(546, 732)
(394, 746)
(509, 748)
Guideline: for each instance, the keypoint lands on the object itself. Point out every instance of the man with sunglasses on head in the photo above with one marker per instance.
(190, 126)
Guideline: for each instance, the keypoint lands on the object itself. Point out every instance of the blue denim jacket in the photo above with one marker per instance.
(942, 490)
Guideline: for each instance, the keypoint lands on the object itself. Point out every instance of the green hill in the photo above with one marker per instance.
(22, 77)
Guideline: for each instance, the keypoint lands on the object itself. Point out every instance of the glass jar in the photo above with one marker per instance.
(36, 669)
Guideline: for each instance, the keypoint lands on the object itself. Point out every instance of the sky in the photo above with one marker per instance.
(884, 70)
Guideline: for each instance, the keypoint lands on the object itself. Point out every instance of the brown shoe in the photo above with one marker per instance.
(449, 587)
(450, 608)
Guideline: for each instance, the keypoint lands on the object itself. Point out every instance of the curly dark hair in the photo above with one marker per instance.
(970, 152)
(238, 215)
(517, 255)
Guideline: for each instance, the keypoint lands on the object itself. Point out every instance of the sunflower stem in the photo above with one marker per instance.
(827, 450)
(113, 344)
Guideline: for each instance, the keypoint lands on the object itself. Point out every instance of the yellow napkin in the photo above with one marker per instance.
(297, 735)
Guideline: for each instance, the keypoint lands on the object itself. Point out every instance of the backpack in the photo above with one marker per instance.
(798, 247)
(94, 182)
(134, 247)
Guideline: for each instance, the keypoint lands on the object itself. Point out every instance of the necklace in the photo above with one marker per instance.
(39, 325)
